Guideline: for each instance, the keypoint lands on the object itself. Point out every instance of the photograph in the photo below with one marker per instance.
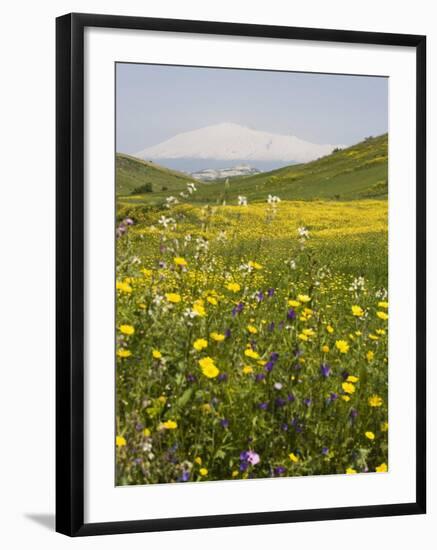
(251, 274)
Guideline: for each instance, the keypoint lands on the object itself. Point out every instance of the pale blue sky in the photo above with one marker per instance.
(155, 102)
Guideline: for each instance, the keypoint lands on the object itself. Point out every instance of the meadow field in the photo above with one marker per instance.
(252, 329)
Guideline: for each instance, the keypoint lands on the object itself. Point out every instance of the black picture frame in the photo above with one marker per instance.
(70, 273)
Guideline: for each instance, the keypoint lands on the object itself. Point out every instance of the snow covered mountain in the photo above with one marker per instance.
(228, 141)
(211, 174)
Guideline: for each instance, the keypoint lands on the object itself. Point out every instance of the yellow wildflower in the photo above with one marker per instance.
(370, 355)
(208, 367)
(249, 352)
(252, 329)
(308, 332)
(384, 426)
(124, 353)
(382, 315)
(173, 298)
(123, 287)
(293, 303)
(303, 337)
(120, 441)
(247, 369)
(382, 468)
(233, 287)
(213, 301)
(169, 425)
(254, 265)
(156, 354)
(342, 346)
(330, 329)
(325, 349)
(198, 460)
(370, 435)
(345, 398)
(384, 305)
(348, 387)
(203, 472)
(304, 298)
(357, 311)
(350, 471)
(217, 336)
(127, 329)
(352, 378)
(293, 457)
(375, 401)
(198, 308)
(182, 262)
(235, 473)
(200, 344)
(146, 432)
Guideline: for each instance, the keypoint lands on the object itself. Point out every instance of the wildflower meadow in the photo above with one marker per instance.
(251, 338)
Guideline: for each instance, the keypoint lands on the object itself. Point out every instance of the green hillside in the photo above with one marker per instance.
(357, 172)
(135, 176)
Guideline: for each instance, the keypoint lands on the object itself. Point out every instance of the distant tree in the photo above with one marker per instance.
(337, 149)
(144, 188)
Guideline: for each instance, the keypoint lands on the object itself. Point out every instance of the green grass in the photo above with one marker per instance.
(133, 173)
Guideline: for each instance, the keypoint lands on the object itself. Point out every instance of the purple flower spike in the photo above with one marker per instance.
(269, 366)
(279, 402)
(224, 423)
(291, 314)
(274, 356)
(270, 292)
(333, 396)
(185, 476)
(237, 309)
(260, 296)
(260, 377)
(325, 370)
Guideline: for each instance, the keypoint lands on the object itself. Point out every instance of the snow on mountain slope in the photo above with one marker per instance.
(230, 141)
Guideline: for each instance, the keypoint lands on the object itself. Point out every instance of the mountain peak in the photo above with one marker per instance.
(231, 141)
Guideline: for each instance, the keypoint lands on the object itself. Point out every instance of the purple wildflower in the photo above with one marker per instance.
(325, 370)
(325, 451)
(271, 326)
(270, 292)
(333, 396)
(280, 402)
(260, 296)
(191, 377)
(269, 366)
(279, 470)
(222, 377)
(290, 397)
(291, 314)
(274, 356)
(353, 414)
(237, 309)
(284, 427)
(224, 423)
(263, 406)
(307, 402)
(228, 333)
(185, 476)
(252, 457)
(259, 377)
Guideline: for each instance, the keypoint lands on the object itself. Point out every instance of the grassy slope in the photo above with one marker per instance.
(357, 172)
(133, 173)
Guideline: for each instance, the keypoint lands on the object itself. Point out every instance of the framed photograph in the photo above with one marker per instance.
(240, 274)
